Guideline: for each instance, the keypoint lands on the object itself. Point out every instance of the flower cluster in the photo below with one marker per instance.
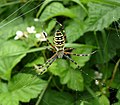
(40, 37)
(29, 30)
(98, 76)
(21, 34)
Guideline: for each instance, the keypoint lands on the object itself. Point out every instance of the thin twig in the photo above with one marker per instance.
(114, 72)
(42, 93)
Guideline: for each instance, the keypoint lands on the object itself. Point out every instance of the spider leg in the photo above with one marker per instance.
(62, 29)
(67, 49)
(51, 49)
(53, 57)
(66, 56)
(79, 54)
(45, 34)
(42, 69)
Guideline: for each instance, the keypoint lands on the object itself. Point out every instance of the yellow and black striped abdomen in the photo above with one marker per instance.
(59, 40)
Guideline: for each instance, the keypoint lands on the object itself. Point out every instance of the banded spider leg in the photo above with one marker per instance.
(42, 69)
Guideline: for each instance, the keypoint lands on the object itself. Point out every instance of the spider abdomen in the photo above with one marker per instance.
(59, 40)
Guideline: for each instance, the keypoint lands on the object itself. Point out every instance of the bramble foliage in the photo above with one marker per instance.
(89, 25)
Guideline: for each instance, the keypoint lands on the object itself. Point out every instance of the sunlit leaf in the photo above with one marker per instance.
(55, 9)
(101, 16)
(79, 12)
(81, 5)
(7, 61)
(51, 25)
(13, 26)
(59, 67)
(108, 2)
(74, 30)
(22, 87)
(46, 2)
(75, 80)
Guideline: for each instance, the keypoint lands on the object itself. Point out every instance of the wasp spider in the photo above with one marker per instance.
(59, 49)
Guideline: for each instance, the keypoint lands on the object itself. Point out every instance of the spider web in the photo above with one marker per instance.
(115, 28)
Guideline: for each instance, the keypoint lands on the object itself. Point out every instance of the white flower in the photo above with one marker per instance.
(16, 38)
(98, 75)
(36, 19)
(25, 34)
(97, 82)
(31, 29)
(40, 36)
(19, 34)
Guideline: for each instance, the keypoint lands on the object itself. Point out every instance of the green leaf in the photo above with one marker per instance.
(74, 30)
(81, 60)
(88, 75)
(51, 25)
(46, 2)
(118, 93)
(7, 60)
(75, 80)
(22, 87)
(39, 60)
(103, 2)
(104, 100)
(72, 78)
(57, 98)
(109, 47)
(18, 24)
(55, 9)
(76, 45)
(82, 103)
(86, 98)
(117, 103)
(81, 5)
(59, 67)
(79, 12)
(101, 16)
(3, 87)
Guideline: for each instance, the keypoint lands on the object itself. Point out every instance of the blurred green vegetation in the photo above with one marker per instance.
(89, 25)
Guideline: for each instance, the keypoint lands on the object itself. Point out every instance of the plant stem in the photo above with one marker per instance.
(100, 53)
(105, 51)
(57, 86)
(42, 93)
(114, 72)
